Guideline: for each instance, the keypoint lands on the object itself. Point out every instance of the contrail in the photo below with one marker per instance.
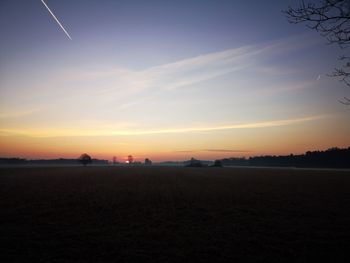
(58, 22)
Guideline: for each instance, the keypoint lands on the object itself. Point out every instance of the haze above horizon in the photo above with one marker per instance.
(165, 80)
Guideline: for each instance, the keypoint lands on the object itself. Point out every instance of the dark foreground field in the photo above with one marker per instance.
(155, 214)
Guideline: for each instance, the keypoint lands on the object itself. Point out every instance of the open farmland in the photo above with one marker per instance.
(173, 214)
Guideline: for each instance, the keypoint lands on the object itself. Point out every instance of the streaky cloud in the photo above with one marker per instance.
(17, 114)
(213, 150)
(193, 70)
(104, 132)
(172, 76)
(226, 150)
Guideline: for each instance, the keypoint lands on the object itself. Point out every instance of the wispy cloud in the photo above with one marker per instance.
(194, 70)
(135, 132)
(214, 150)
(17, 114)
(184, 72)
(226, 150)
(287, 87)
(113, 91)
(125, 87)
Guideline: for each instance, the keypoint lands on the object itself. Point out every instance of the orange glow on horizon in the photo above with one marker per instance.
(295, 138)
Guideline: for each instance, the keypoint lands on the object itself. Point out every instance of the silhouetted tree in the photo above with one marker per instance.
(130, 159)
(148, 161)
(332, 19)
(85, 159)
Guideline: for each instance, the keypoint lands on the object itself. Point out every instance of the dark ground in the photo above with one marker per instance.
(169, 214)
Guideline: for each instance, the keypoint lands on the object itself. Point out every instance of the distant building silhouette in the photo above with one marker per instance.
(217, 163)
(195, 163)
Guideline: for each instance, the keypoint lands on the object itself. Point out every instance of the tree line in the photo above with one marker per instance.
(331, 158)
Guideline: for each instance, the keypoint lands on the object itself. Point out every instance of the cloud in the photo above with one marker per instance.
(17, 114)
(186, 151)
(109, 132)
(119, 88)
(287, 87)
(226, 150)
(194, 70)
(214, 150)
(183, 73)
(108, 94)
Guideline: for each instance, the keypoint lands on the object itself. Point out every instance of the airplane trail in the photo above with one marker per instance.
(58, 22)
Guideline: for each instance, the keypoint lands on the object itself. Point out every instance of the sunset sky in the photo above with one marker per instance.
(167, 80)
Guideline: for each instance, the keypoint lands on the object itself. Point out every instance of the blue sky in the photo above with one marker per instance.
(190, 70)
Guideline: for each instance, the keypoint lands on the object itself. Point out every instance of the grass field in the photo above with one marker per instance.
(173, 214)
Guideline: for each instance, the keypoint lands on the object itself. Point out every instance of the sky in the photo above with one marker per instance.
(165, 80)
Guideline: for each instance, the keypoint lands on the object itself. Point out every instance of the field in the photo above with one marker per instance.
(173, 214)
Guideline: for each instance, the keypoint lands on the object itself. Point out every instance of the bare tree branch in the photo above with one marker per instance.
(331, 18)
(345, 101)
